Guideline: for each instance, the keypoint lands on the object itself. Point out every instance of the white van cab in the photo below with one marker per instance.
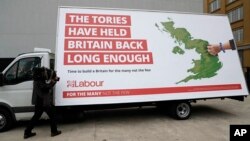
(16, 86)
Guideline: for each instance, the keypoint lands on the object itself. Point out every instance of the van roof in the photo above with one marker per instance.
(37, 52)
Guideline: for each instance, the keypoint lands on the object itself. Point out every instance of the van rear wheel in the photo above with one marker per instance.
(5, 120)
(181, 110)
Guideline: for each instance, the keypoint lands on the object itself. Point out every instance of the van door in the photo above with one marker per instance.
(18, 84)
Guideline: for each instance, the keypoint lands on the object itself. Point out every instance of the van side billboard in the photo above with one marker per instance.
(108, 56)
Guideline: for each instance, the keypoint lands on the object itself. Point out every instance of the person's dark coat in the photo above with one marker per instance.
(42, 93)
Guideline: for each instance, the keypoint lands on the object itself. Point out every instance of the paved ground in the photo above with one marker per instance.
(209, 122)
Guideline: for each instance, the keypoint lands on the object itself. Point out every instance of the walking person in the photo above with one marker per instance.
(44, 81)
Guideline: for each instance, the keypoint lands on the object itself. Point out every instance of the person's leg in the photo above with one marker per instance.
(53, 125)
(33, 121)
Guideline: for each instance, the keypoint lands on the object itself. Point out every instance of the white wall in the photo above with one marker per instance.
(25, 24)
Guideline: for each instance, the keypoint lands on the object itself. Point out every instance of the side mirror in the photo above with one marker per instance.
(1, 79)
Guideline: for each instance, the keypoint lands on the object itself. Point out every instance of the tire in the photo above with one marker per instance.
(6, 121)
(181, 110)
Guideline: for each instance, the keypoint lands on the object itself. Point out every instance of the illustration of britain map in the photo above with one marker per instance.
(204, 67)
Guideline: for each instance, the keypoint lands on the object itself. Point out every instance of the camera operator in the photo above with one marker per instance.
(42, 98)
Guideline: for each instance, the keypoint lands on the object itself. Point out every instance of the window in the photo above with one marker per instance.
(241, 56)
(21, 70)
(52, 64)
(230, 1)
(238, 35)
(214, 5)
(235, 15)
(11, 74)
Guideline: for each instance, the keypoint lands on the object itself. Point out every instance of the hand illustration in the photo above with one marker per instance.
(214, 49)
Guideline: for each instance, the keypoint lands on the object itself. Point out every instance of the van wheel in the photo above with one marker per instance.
(5, 120)
(181, 110)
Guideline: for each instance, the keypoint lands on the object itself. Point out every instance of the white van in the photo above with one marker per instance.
(118, 57)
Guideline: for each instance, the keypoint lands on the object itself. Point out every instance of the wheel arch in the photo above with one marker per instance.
(9, 109)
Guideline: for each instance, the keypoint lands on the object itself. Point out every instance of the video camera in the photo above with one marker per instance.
(42, 73)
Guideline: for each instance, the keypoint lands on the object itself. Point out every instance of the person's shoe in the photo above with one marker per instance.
(28, 135)
(55, 133)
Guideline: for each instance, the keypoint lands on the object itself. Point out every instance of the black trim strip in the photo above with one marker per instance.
(23, 109)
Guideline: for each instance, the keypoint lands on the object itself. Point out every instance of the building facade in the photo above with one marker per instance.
(239, 18)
